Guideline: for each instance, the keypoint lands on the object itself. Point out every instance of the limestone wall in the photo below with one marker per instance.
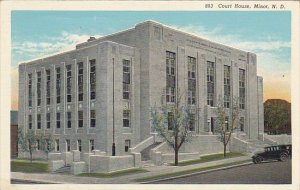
(105, 164)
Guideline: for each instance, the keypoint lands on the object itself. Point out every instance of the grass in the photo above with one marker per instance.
(167, 175)
(27, 167)
(28, 160)
(114, 174)
(209, 158)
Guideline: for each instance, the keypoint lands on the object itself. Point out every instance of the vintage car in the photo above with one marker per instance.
(279, 152)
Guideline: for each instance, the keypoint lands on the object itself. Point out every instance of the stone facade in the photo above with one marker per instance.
(144, 49)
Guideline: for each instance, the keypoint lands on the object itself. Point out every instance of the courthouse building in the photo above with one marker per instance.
(100, 93)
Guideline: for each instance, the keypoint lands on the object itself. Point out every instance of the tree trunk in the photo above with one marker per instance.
(176, 150)
(224, 150)
(224, 146)
(176, 157)
(30, 156)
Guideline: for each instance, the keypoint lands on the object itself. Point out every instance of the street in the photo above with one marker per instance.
(17, 181)
(265, 173)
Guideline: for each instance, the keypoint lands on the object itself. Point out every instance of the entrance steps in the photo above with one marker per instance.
(249, 145)
(64, 170)
(145, 154)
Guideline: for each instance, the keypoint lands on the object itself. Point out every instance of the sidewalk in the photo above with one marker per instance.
(153, 170)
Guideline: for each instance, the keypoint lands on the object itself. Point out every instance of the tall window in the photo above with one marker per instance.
(126, 79)
(48, 93)
(29, 90)
(171, 78)
(92, 145)
(227, 86)
(80, 81)
(126, 118)
(38, 144)
(127, 145)
(48, 119)
(57, 120)
(56, 145)
(93, 118)
(192, 122)
(58, 85)
(192, 80)
(69, 83)
(79, 145)
(242, 123)
(242, 87)
(210, 83)
(93, 79)
(38, 121)
(29, 121)
(80, 119)
(38, 88)
(69, 119)
(170, 120)
(68, 145)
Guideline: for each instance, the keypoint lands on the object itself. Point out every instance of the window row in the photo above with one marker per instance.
(227, 85)
(58, 121)
(67, 143)
(192, 83)
(79, 144)
(80, 119)
(58, 82)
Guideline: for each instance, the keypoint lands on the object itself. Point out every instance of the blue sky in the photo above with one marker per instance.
(268, 34)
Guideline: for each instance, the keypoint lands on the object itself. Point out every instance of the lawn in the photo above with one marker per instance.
(208, 158)
(27, 167)
(173, 174)
(114, 174)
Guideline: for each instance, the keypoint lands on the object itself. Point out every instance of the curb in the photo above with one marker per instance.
(32, 181)
(196, 173)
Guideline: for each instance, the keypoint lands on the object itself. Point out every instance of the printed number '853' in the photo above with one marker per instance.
(209, 5)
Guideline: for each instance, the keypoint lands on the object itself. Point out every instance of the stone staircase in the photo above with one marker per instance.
(252, 145)
(255, 145)
(64, 170)
(145, 154)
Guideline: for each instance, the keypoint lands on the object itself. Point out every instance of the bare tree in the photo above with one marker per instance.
(228, 120)
(27, 141)
(172, 122)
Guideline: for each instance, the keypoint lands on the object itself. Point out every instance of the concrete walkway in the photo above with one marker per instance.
(153, 170)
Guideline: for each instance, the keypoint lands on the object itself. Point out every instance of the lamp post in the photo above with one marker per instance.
(89, 156)
(113, 144)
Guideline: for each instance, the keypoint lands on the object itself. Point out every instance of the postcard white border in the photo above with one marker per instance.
(5, 66)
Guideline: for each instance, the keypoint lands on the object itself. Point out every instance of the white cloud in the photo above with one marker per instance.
(236, 41)
(65, 41)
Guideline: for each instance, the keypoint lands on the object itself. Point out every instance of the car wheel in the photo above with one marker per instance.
(283, 157)
(258, 160)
